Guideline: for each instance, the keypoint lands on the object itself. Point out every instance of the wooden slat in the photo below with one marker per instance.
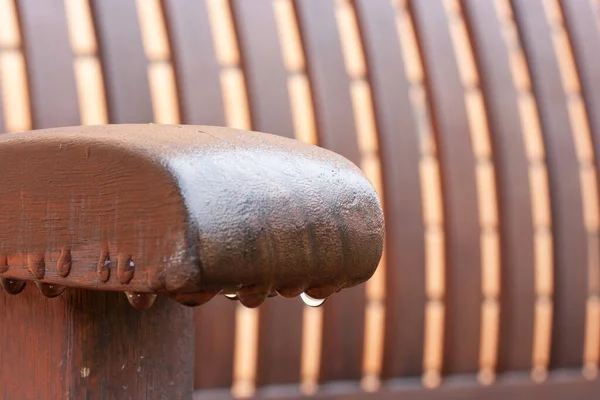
(123, 61)
(280, 331)
(463, 291)
(584, 31)
(213, 345)
(343, 319)
(570, 249)
(399, 152)
(263, 67)
(49, 64)
(516, 226)
(195, 64)
(197, 75)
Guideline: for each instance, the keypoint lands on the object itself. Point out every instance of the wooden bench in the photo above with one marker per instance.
(477, 121)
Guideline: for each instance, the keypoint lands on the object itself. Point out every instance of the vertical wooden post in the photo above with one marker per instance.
(88, 344)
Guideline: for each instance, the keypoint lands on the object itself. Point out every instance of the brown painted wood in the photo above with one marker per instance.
(123, 61)
(262, 61)
(195, 64)
(88, 344)
(457, 167)
(584, 33)
(400, 154)
(49, 63)
(567, 384)
(511, 166)
(201, 102)
(280, 333)
(343, 319)
(214, 341)
(570, 249)
(184, 210)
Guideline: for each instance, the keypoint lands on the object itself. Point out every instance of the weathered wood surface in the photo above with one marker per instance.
(188, 211)
(92, 345)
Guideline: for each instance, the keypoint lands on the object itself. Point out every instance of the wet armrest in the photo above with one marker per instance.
(184, 211)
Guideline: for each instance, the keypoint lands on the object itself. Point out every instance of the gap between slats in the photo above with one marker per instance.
(367, 135)
(431, 192)
(588, 180)
(486, 192)
(161, 76)
(540, 195)
(303, 117)
(88, 71)
(13, 73)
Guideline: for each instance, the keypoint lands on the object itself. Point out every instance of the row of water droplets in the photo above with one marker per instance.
(140, 301)
(309, 301)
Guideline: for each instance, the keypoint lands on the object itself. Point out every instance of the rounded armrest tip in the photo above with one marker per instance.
(189, 211)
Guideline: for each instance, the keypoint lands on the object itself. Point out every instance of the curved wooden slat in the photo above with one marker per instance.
(280, 332)
(49, 63)
(344, 314)
(196, 67)
(463, 292)
(263, 67)
(517, 289)
(570, 250)
(584, 31)
(399, 152)
(582, 24)
(123, 61)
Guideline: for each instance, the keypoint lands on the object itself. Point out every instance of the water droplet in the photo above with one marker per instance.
(50, 290)
(103, 268)
(63, 265)
(12, 286)
(252, 299)
(140, 301)
(193, 299)
(312, 302)
(36, 265)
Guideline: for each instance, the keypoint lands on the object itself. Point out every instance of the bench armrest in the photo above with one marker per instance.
(185, 211)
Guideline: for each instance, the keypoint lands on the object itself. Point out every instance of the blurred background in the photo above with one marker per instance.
(477, 121)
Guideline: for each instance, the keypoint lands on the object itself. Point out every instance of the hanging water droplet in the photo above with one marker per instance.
(50, 290)
(12, 286)
(231, 296)
(310, 301)
(140, 301)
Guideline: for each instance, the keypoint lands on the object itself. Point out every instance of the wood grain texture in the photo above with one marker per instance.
(168, 212)
(570, 250)
(457, 165)
(49, 64)
(516, 227)
(399, 152)
(343, 316)
(88, 344)
(123, 61)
